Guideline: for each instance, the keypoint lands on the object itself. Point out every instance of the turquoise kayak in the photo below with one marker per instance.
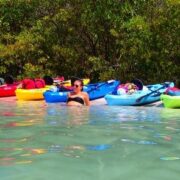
(95, 91)
(149, 94)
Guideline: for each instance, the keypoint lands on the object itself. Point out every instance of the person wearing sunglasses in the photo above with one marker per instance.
(78, 97)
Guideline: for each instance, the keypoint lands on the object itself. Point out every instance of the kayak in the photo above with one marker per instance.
(170, 101)
(95, 91)
(31, 94)
(99, 90)
(149, 94)
(173, 92)
(68, 82)
(55, 97)
(8, 90)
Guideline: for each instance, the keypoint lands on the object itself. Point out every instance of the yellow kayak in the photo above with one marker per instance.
(31, 94)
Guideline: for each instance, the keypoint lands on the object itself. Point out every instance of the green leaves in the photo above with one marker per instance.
(101, 39)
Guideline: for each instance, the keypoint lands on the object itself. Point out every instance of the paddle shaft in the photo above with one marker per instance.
(107, 82)
(140, 98)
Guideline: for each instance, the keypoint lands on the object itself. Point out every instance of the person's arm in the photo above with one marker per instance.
(86, 99)
(20, 86)
(68, 94)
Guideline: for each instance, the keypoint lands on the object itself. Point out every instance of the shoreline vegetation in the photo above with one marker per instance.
(101, 39)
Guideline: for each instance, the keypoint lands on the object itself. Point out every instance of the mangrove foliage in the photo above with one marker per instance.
(99, 39)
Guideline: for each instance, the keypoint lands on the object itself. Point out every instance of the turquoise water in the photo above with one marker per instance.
(40, 141)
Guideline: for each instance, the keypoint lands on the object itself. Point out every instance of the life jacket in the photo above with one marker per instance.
(39, 83)
(127, 87)
(28, 84)
(33, 84)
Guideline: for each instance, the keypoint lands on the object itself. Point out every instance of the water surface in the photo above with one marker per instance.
(52, 141)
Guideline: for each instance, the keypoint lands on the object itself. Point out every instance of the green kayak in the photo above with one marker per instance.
(170, 101)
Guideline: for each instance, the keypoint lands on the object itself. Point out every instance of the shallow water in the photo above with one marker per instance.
(52, 141)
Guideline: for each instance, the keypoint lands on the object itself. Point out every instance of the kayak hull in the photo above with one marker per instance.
(99, 90)
(129, 100)
(55, 97)
(136, 99)
(8, 90)
(170, 101)
(95, 91)
(30, 94)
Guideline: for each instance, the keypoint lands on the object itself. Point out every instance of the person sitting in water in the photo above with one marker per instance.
(77, 97)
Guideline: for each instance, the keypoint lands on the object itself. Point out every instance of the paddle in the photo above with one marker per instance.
(146, 95)
(97, 87)
(62, 82)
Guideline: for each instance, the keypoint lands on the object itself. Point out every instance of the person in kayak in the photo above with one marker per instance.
(9, 79)
(172, 90)
(77, 97)
(130, 87)
(127, 88)
(48, 80)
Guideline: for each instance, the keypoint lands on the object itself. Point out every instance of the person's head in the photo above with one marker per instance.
(78, 85)
(48, 80)
(138, 83)
(9, 79)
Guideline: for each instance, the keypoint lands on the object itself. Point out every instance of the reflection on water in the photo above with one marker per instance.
(108, 141)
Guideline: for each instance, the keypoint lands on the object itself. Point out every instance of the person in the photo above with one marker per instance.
(178, 83)
(127, 88)
(9, 79)
(173, 89)
(1, 81)
(48, 80)
(130, 87)
(77, 97)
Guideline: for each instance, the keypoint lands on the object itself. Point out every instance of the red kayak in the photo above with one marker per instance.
(8, 90)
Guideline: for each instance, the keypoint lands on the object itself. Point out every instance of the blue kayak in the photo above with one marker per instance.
(95, 91)
(149, 94)
(173, 93)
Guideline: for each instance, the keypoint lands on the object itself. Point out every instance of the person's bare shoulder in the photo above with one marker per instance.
(85, 93)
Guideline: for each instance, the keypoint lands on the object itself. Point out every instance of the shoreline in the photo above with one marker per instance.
(96, 102)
